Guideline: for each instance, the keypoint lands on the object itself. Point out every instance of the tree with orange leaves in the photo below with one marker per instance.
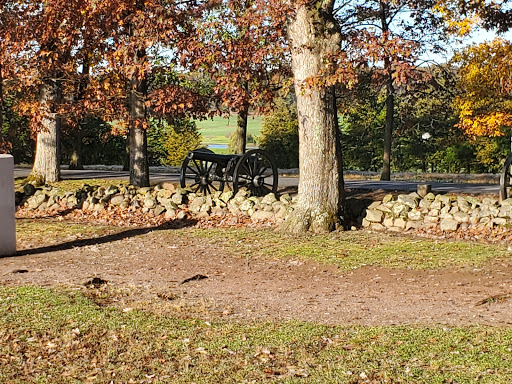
(484, 97)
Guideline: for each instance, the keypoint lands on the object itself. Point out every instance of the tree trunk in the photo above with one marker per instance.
(46, 168)
(390, 99)
(76, 158)
(313, 34)
(240, 134)
(139, 167)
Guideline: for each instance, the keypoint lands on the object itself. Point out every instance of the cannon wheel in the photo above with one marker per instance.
(197, 174)
(505, 179)
(256, 171)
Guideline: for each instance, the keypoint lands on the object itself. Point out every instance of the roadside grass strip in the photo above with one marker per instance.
(59, 336)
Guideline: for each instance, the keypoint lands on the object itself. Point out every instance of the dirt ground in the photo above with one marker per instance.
(141, 269)
(144, 271)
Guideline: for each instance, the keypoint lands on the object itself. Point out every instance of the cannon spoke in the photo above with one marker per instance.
(201, 172)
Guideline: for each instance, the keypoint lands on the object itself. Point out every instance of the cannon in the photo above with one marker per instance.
(207, 172)
(506, 179)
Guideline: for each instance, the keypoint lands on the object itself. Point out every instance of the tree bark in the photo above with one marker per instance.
(390, 100)
(314, 34)
(46, 168)
(240, 138)
(139, 166)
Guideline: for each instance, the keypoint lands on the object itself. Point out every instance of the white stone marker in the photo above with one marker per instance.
(7, 206)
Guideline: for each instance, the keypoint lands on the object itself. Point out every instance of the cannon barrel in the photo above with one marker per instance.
(211, 157)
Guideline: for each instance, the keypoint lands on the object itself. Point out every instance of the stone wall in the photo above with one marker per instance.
(443, 212)
(164, 200)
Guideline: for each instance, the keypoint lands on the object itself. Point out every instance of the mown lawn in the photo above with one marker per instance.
(59, 336)
(218, 129)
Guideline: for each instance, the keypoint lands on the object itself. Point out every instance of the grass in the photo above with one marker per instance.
(355, 249)
(347, 250)
(74, 185)
(59, 336)
(218, 129)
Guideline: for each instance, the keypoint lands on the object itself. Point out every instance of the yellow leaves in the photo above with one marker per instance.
(490, 124)
(457, 23)
(485, 82)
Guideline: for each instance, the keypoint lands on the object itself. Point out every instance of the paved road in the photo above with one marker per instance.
(287, 181)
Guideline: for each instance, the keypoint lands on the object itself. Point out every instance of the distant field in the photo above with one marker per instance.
(218, 129)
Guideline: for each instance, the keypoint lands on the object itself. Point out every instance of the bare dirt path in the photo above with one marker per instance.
(147, 271)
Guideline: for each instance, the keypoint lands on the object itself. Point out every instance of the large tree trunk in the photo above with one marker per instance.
(139, 167)
(46, 168)
(240, 135)
(314, 34)
(390, 99)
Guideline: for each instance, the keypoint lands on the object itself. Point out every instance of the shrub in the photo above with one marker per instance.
(180, 137)
(280, 135)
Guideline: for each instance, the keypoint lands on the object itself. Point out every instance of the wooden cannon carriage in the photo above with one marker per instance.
(506, 179)
(207, 172)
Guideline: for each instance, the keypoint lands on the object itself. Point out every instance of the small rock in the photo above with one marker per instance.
(449, 225)
(374, 216)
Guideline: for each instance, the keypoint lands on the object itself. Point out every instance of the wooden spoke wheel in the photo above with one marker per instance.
(201, 175)
(255, 171)
(506, 179)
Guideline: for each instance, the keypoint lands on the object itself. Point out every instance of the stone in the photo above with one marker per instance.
(400, 223)
(168, 186)
(150, 202)
(384, 209)
(424, 203)
(388, 222)
(181, 215)
(489, 201)
(505, 211)
(377, 227)
(226, 196)
(430, 196)
(374, 216)
(269, 199)
(449, 225)
(177, 198)
(436, 204)
(423, 189)
(500, 221)
(374, 205)
(507, 202)
(158, 210)
(400, 209)
(170, 214)
(387, 199)
(431, 219)
(461, 217)
(286, 199)
(246, 205)
(414, 224)
(261, 215)
(365, 223)
(414, 215)
(463, 204)
(409, 200)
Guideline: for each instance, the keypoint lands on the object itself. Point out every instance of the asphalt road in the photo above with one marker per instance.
(285, 182)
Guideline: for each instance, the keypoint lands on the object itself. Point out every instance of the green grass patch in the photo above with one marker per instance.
(355, 249)
(74, 185)
(218, 129)
(50, 336)
(45, 232)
